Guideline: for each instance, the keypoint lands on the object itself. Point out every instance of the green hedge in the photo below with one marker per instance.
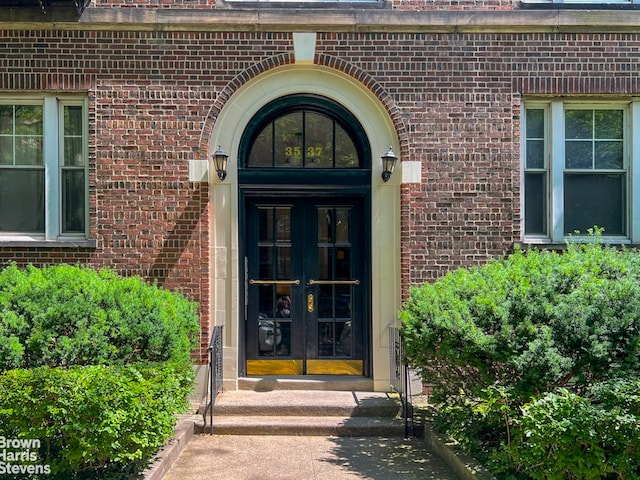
(93, 421)
(92, 366)
(496, 340)
(534, 321)
(563, 435)
(65, 315)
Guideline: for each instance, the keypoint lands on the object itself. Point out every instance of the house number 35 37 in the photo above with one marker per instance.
(297, 151)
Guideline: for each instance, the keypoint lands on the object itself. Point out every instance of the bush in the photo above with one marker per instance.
(533, 322)
(492, 338)
(65, 315)
(93, 366)
(93, 421)
(566, 436)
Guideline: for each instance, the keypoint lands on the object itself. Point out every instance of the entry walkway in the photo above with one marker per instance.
(267, 457)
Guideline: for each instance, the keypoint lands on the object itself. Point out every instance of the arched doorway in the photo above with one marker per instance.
(304, 175)
(227, 259)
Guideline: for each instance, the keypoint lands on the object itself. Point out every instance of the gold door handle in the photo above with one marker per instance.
(334, 282)
(274, 282)
(310, 303)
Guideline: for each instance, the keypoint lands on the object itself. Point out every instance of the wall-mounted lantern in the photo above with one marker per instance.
(220, 162)
(388, 164)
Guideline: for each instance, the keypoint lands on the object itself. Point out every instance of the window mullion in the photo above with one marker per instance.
(51, 141)
(556, 166)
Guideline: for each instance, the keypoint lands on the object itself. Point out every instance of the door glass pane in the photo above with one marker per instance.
(269, 337)
(284, 346)
(265, 270)
(595, 199)
(343, 301)
(325, 339)
(343, 333)
(343, 263)
(325, 301)
(274, 255)
(265, 225)
(324, 225)
(325, 263)
(283, 224)
(284, 263)
(342, 224)
(266, 296)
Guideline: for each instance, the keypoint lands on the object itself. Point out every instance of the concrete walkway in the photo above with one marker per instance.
(267, 457)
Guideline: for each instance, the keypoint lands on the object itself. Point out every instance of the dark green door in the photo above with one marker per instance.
(306, 285)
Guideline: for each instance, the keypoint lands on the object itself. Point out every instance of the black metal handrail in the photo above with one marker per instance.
(399, 378)
(215, 375)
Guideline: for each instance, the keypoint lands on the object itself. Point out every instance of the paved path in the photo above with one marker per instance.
(266, 457)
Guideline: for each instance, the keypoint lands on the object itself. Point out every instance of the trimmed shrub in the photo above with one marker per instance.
(93, 421)
(566, 436)
(66, 315)
(93, 366)
(492, 338)
(533, 322)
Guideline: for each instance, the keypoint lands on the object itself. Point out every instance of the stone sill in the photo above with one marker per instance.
(8, 243)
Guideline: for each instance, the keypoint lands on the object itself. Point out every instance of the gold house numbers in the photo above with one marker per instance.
(297, 151)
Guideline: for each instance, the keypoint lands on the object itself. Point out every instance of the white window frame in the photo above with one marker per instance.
(554, 148)
(53, 153)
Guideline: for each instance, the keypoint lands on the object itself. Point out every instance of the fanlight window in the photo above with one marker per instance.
(303, 139)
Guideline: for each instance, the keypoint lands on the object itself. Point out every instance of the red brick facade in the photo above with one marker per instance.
(153, 98)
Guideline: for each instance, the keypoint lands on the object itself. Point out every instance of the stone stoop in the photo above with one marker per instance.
(307, 412)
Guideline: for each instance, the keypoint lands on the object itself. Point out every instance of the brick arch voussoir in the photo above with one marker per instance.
(227, 92)
(378, 90)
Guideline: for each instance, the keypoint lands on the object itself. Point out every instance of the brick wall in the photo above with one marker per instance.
(457, 97)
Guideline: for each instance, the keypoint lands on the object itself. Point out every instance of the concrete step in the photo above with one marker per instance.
(307, 412)
(308, 426)
(307, 382)
(307, 403)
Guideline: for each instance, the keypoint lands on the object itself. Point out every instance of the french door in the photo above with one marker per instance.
(305, 285)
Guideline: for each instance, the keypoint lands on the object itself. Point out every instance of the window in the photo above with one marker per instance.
(305, 139)
(43, 168)
(578, 169)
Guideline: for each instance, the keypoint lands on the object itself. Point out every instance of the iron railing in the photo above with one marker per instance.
(215, 375)
(399, 378)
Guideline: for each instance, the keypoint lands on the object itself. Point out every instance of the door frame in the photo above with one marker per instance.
(225, 128)
(256, 193)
